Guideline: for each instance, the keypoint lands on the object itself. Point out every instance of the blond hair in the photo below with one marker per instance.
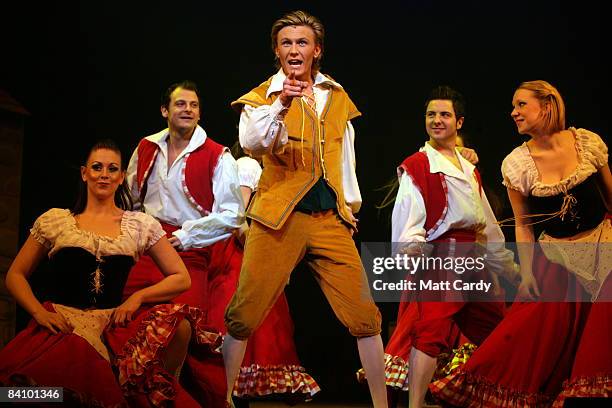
(551, 100)
(300, 18)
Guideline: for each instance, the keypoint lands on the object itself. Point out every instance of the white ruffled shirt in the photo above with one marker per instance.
(261, 129)
(468, 209)
(521, 174)
(166, 201)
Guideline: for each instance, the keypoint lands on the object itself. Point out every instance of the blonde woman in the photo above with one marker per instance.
(558, 182)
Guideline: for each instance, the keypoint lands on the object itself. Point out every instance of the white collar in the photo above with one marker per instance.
(277, 82)
(440, 164)
(197, 139)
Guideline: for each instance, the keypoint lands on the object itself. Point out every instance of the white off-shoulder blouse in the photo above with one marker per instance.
(521, 174)
(57, 229)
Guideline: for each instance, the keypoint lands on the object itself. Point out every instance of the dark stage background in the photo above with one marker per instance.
(97, 69)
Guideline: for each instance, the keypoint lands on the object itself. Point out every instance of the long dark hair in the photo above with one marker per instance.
(123, 199)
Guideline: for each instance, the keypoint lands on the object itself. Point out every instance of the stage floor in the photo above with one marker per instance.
(265, 404)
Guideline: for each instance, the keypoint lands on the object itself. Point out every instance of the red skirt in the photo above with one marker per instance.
(526, 359)
(265, 370)
(592, 370)
(139, 346)
(203, 373)
(38, 357)
(197, 260)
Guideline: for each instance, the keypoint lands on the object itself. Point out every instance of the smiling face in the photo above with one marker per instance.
(102, 173)
(183, 110)
(441, 122)
(296, 49)
(527, 111)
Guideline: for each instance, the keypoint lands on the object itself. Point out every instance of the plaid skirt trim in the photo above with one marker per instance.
(463, 389)
(396, 373)
(139, 364)
(585, 387)
(448, 364)
(256, 380)
(396, 368)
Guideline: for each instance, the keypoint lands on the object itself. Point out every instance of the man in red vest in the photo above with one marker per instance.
(190, 184)
(440, 203)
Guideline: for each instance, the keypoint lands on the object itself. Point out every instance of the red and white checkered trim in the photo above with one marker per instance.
(464, 389)
(146, 173)
(257, 380)
(439, 222)
(186, 190)
(585, 387)
(139, 364)
(396, 368)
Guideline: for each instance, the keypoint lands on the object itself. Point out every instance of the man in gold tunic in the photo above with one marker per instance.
(298, 123)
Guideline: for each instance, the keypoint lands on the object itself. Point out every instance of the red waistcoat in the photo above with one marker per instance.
(197, 172)
(432, 187)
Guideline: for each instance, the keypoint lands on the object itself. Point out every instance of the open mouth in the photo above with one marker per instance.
(294, 63)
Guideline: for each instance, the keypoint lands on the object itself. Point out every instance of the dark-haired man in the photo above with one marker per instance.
(190, 184)
(440, 201)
